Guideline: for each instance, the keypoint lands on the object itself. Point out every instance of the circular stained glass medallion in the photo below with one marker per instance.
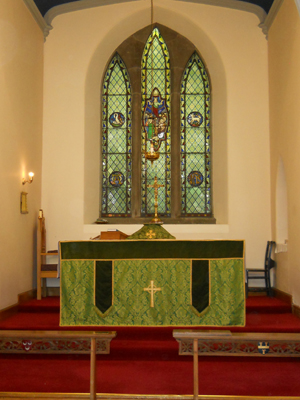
(116, 119)
(195, 119)
(116, 179)
(195, 178)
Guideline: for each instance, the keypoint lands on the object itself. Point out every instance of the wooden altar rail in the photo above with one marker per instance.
(9, 339)
(225, 343)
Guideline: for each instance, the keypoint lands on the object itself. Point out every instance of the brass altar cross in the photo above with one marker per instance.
(152, 289)
(155, 220)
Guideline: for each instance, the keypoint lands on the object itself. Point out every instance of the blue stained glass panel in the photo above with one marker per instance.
(116, 141)
(195, 140)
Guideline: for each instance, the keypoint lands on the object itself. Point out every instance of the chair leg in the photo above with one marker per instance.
(268, 284)
(39, 289)
(44, 287)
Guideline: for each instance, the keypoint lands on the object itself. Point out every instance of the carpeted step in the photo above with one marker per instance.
(218, 376)
(144, 350)
(288, 323)
(145, 360)
(264, 304)
(46, 304)
(254, 304)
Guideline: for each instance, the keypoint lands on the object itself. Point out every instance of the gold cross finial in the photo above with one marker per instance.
(152, 289)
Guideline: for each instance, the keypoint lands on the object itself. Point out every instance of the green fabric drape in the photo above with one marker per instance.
(159, 249)
(200, 284)
(151, 232)
(172, 305)
(103, 285)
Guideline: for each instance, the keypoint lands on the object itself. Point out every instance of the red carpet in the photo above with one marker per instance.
(217, 376)
(264, 304)
(146, 360)
(264, 314)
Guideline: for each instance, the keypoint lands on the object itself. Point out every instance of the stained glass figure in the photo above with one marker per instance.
(116, 146)
(156, 104)
(156, 119)
(116, 119)
(195, 140)
(195, 119)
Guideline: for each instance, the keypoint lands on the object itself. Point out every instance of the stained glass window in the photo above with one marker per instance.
(151, 105)
(116, 141)
(195, 140)
(156, 123)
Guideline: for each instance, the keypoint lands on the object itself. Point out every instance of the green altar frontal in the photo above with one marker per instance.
(152, 283)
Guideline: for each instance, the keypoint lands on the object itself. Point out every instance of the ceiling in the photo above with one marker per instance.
(45, 5)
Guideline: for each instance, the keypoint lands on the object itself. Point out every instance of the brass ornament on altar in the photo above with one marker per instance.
(156, 219)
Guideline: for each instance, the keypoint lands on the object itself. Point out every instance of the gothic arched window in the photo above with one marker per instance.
(195, 140)
(132, 122)
(116, 141)
(156, 123)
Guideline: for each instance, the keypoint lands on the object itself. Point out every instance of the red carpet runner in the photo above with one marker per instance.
(146, 361)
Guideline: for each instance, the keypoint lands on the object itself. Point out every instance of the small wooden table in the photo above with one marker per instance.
(113, 235)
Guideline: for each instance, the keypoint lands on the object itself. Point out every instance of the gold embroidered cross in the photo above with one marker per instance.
(150, 234)
(152, 289)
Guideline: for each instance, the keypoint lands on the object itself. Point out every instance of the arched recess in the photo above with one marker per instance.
(102, 55)
(281, 205)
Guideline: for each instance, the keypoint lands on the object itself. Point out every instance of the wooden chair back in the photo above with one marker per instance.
(44, 270)
(262, 274)
(269, 262)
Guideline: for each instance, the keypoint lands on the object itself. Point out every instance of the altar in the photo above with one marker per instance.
(152, 283)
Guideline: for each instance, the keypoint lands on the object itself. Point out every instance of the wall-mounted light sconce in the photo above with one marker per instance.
(30, 178)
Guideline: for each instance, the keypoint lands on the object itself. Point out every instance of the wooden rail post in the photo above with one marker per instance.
(93, 394)
(18, 342)
(193, 337)
(195, 355)
(224, 343)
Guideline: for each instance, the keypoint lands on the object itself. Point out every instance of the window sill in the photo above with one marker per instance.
(166, 221)
(180, 231)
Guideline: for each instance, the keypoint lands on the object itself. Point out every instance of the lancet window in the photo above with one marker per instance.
(156, 124)
(116, 140)
(195, 160)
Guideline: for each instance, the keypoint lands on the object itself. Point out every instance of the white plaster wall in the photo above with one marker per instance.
(21, 112)
(235, 52)
(284, 65)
